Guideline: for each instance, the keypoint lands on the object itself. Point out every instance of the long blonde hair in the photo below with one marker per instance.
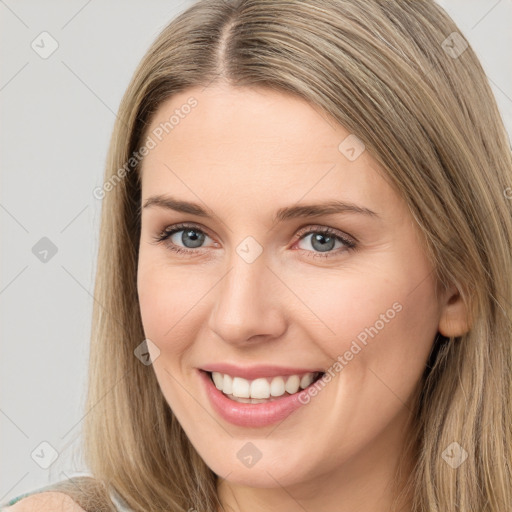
(394, 74)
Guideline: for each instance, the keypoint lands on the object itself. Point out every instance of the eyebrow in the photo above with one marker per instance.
(283, 214)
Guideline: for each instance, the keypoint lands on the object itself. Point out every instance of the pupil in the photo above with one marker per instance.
(324, 246)
(194, 238)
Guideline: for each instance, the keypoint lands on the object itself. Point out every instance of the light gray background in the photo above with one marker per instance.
(57, 117)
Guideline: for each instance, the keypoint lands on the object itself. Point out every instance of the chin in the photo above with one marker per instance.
(268, 476)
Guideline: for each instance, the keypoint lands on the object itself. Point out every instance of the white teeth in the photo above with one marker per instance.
(277, 386)
(218, 380)
(260, 389)
(292, 384)
(263, 387)
(241, 388)
(227, 385)
(306, 380)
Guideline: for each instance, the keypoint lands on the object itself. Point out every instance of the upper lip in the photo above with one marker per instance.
(256, 371)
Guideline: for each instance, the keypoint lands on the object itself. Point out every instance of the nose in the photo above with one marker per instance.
(249, 303)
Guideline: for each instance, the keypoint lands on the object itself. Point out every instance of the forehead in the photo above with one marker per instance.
(251, 146)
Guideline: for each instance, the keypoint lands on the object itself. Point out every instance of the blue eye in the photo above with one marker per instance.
(323, 240)
(191, 234)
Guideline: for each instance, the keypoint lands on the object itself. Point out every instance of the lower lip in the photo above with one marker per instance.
(250, 415)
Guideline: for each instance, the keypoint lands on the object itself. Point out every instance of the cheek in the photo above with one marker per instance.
(169, 299)
(377, 332)
(384, 319)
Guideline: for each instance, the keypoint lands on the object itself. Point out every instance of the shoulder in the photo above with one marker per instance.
(49, 501)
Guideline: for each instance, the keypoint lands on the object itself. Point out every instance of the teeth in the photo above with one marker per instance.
(263, 387)
(259, 389)
(218, 380)
(277, 386)
(227, 385)
(292, 384)
(306, 380)
(241, 388)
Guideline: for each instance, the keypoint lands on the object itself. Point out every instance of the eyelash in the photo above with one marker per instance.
(350, 244)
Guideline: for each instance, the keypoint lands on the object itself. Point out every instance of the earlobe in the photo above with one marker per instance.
(454, 320)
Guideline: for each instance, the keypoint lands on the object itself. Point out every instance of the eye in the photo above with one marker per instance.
(322, 240)
(192, 237)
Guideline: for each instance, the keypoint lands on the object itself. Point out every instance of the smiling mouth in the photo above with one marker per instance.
(263, 389)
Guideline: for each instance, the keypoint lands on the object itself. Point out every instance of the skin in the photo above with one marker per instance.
(48, 501)
(244, 153)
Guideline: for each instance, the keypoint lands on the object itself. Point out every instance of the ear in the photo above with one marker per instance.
(454, 320)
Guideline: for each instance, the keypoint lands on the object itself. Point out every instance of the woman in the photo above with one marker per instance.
(325, 324)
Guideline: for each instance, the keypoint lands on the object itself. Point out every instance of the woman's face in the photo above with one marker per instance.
(258, 286)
